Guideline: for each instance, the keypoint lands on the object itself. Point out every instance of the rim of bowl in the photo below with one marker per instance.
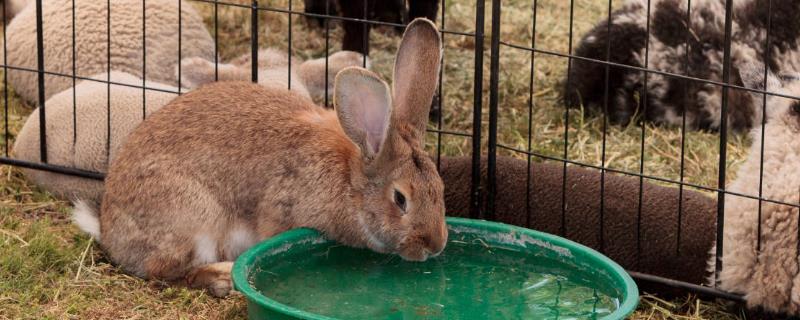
(241, 272)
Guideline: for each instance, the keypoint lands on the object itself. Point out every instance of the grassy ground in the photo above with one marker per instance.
(49, 270)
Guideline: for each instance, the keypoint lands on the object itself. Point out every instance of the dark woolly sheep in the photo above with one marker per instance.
(669, 98)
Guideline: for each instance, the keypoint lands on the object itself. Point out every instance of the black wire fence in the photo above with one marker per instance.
(481, 142)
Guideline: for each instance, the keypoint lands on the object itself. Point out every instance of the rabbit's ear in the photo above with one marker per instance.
(364, 106)
(416, 73)
(197, 71)
(752, 74)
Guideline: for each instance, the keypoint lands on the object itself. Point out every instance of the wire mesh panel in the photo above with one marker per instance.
(674, 152)
(583, 91)
(236, 27)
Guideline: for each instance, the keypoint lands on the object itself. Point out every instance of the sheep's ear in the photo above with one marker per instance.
(197, 71)
(753, 77)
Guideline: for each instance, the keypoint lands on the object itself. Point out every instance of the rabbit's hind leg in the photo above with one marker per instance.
(165, 227)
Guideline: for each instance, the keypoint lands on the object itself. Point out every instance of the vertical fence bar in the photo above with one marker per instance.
(327, 47)
(40, 68)
(144, 59)
(477, 109)
(723, 131)
(690, 84)
(641, 150)
(289, 53)
(5, 79)
(365, 37)
(563, 230)
(108, 83)
(216, 40)
(441, 97)
(74, 82)
(494, 74)
(254, 42)
(767, 51)
(180, 44)
(607, 71)
(530, 118)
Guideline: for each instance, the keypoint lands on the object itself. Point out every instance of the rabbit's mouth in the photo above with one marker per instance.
(416, 255)
(418, 249)
(373, 242)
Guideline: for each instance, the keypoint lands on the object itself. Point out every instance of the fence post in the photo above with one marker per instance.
(477, 109)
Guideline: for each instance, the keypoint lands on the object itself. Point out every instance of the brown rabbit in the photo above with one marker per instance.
(228, 165)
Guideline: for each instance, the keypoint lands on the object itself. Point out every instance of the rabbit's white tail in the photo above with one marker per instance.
(85, 216)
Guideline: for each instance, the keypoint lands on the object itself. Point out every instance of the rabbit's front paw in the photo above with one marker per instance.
(215, 277)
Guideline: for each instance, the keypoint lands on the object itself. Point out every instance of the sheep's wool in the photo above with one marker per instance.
(91, 42)
(77, 135)
(767, 276)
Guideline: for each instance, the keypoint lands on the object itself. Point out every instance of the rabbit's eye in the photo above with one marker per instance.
(400, 200)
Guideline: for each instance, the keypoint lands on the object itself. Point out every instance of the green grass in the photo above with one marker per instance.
(49, 270)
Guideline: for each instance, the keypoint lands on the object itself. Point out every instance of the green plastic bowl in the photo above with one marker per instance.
(488, 270)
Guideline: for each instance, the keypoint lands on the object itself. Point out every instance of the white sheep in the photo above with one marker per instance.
(306, 77)
(82, 144)
(12, 7)
(768, 278)
(89, 150)
(91, 41)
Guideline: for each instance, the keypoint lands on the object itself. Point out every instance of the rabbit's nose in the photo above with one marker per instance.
(434, 244)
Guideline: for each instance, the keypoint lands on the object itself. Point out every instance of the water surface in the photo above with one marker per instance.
(467, 281)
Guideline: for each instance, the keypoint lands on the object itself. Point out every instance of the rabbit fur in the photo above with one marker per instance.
(666, 99)
(91, 42)
(228, 165)
(307, 78)
(89, 151)
(768, 278)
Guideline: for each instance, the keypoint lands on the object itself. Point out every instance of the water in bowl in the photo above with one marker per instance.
(464, 282)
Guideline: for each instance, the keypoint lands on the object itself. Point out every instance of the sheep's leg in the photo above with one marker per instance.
(393, 11)
(771, 287)
(423, 9)
(355, 33)
(319, 7)
(214, 277)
